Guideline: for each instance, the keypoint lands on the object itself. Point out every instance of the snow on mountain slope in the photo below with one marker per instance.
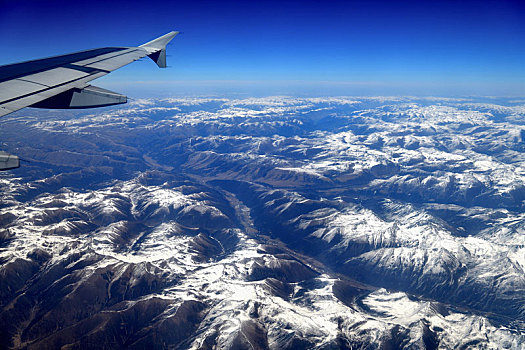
(279, 222)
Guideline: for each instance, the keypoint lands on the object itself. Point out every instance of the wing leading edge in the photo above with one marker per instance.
(62, 81)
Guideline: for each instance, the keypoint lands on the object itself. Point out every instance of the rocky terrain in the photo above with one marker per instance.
(266, 223)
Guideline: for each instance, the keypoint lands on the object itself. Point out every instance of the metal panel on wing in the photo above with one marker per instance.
(105, 56)
(113, 63)
(56, 76)
(15, 88)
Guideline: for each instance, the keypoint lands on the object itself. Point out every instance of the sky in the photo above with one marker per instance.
(445, 48)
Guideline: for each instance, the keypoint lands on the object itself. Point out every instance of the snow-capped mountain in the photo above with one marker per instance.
(278, 222)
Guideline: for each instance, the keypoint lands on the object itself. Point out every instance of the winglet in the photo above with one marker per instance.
(157, 48)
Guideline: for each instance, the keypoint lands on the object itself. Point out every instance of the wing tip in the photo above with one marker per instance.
(160, 42)
(157, 48)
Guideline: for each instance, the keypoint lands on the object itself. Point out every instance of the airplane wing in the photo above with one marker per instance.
(62, 81)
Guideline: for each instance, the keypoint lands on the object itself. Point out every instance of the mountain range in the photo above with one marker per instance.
(266, 223)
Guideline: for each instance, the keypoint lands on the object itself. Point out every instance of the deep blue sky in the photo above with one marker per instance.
(321, 47)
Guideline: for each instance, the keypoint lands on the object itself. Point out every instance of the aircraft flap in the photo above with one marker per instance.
(88, 97)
